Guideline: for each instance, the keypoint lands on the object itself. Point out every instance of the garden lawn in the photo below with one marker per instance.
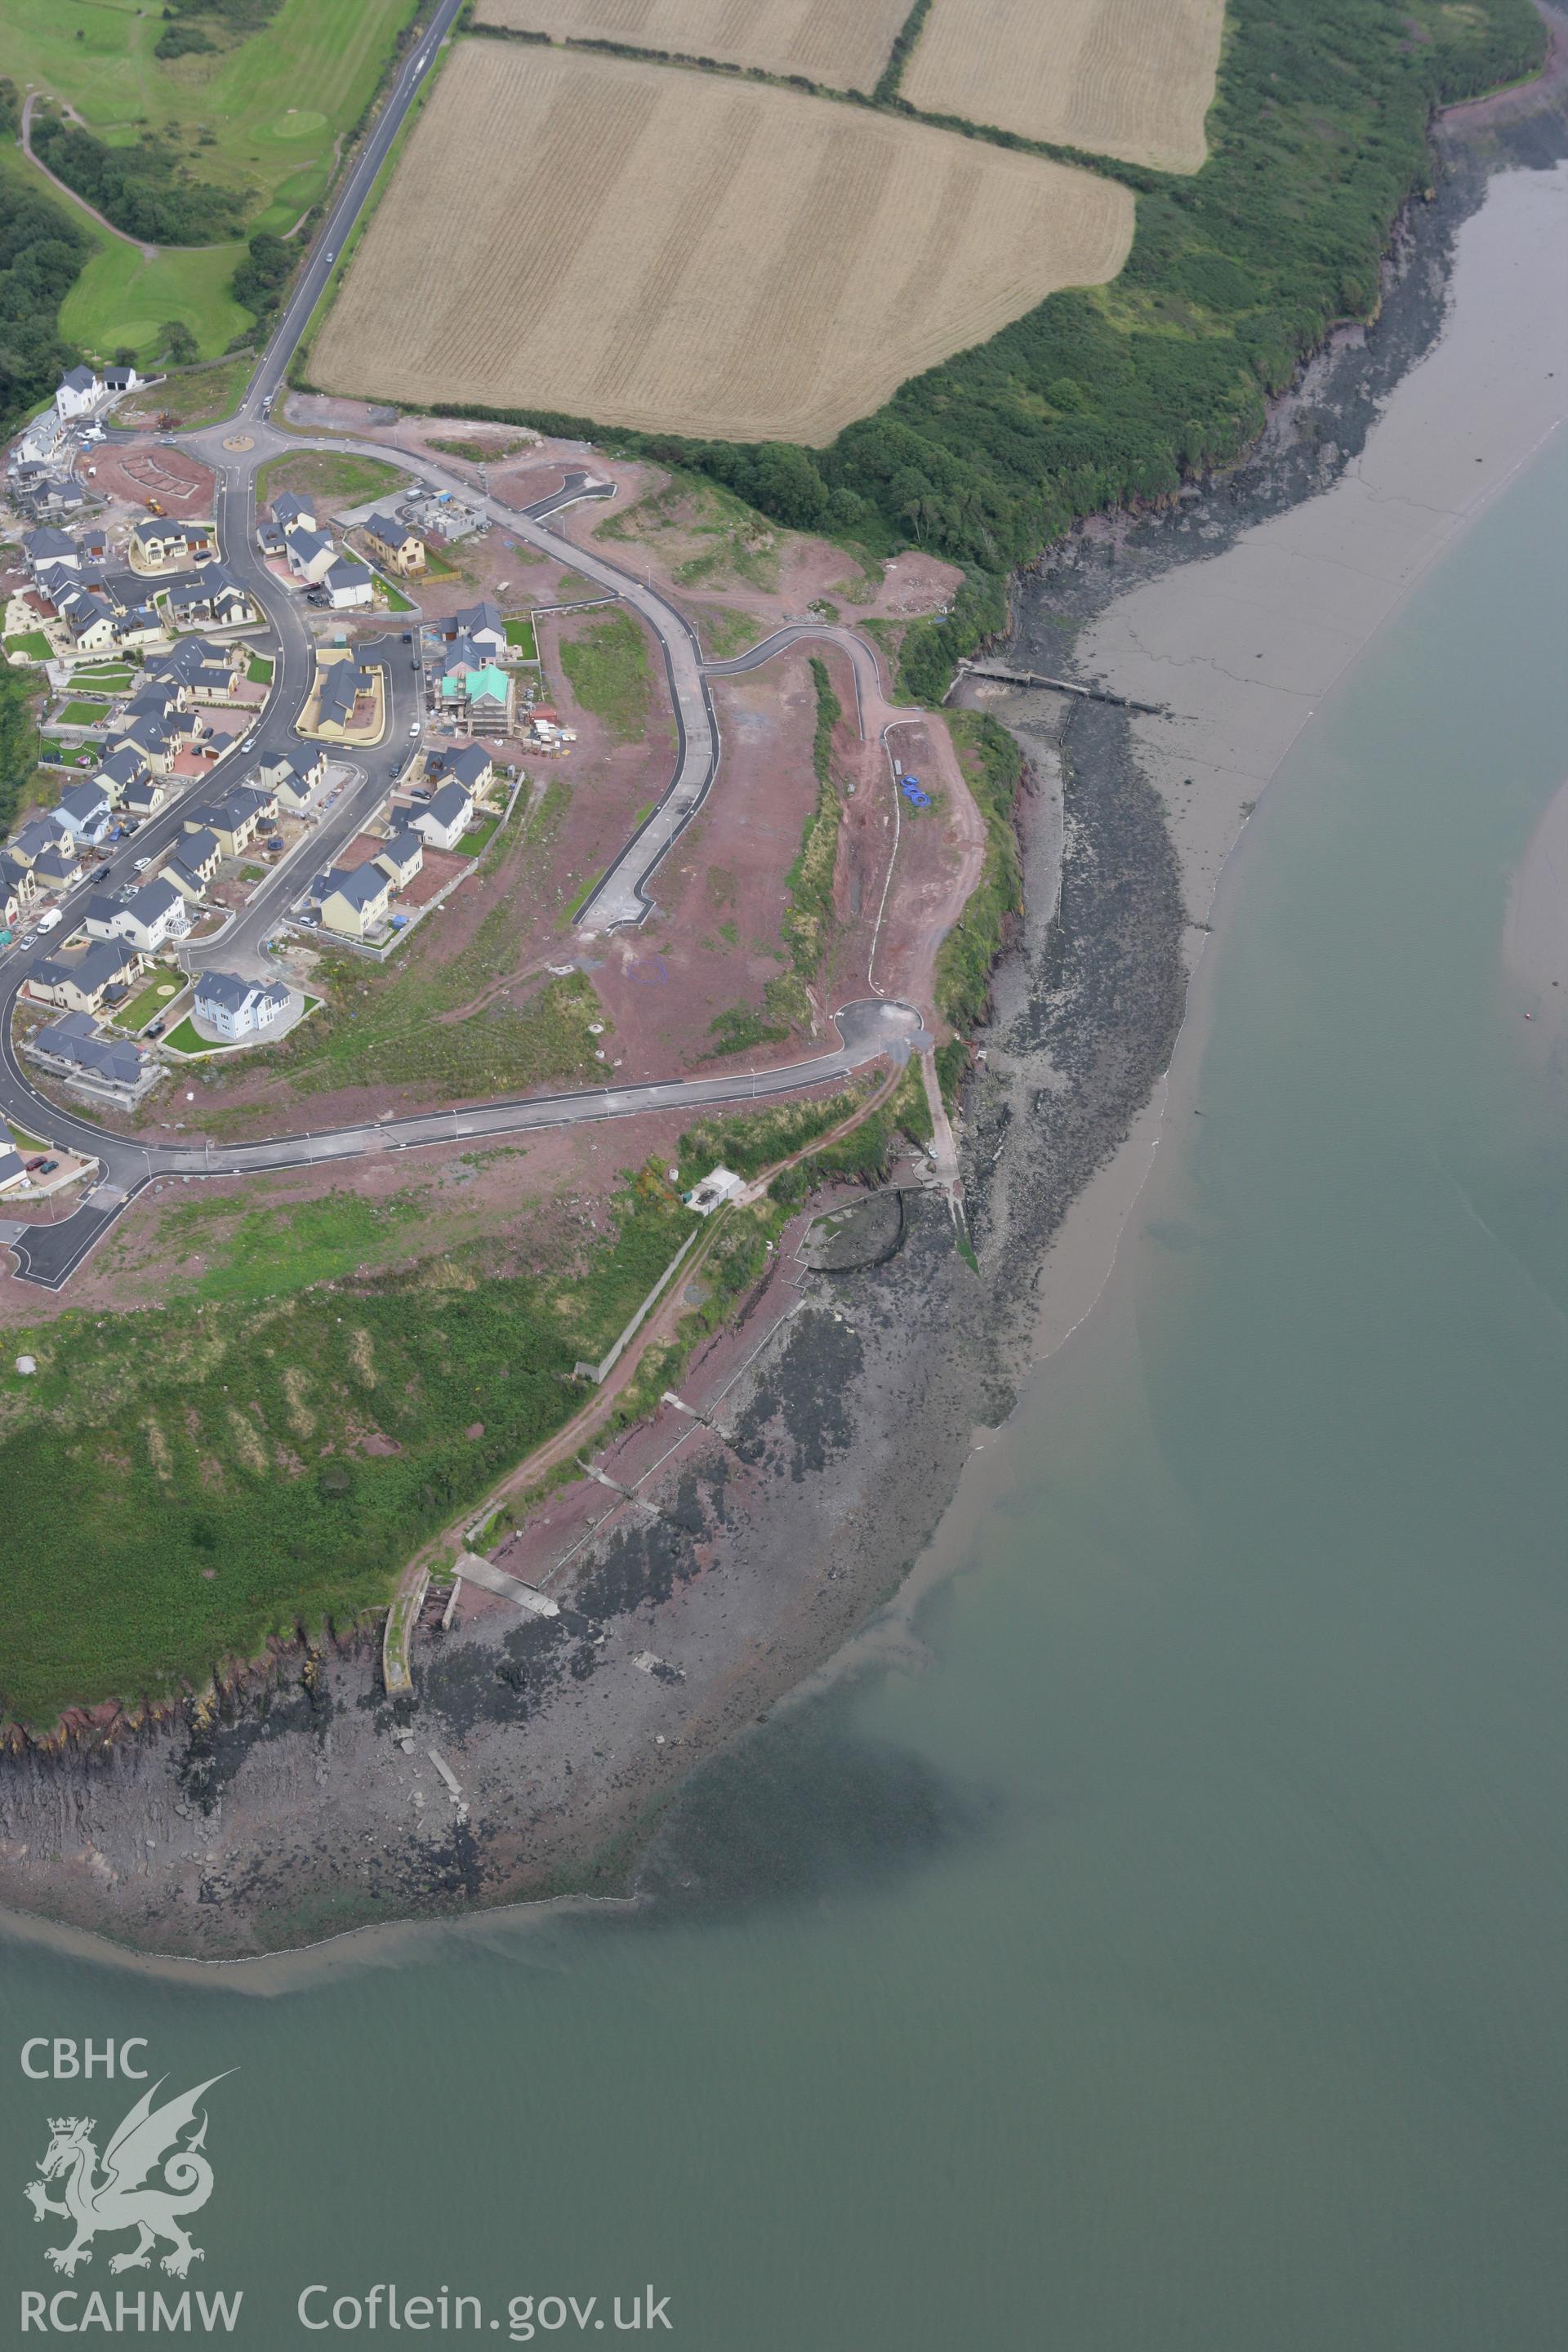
(134, 1016)
(186, 1040)
(478, 837)
(82, 714)
(258, 670)
(397, 602)
(33, 642)
(520, 636)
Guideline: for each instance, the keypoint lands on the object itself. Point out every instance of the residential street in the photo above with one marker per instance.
(49, 1254)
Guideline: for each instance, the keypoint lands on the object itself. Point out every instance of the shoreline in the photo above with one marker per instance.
(1140, 597)
(870, 1409)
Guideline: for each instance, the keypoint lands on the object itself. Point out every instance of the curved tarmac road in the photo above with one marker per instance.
(49, 1254)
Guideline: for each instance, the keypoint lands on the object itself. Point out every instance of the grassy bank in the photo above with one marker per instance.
(808, 889)
(329, 474)
(607, 667)
(202, 1471)
(993, 766)
(123, 302)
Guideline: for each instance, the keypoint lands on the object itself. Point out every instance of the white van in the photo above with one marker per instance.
(50, 920)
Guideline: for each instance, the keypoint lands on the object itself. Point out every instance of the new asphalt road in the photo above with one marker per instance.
(49, 1254)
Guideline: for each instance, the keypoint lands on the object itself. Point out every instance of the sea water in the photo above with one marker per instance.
(1170, 1957)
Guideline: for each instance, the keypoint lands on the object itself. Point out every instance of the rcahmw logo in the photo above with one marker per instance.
(153, 2174)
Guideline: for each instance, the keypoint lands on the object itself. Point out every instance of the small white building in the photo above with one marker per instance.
(347, 584)
(77, 392)
(719, 1184)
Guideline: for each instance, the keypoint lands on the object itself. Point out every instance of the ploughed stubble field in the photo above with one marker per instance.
(678, 251)
(842, 43)
(1127, 78)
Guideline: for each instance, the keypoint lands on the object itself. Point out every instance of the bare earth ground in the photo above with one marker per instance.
(690, 252)
(445, 1196)
(135, 472)
(822, 40)
(1128, 77)
(714, 943)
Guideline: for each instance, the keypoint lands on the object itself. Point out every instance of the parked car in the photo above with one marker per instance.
(48, 1167)
(50, 919)
(154, 1029)
(140, 866)
(414, 729)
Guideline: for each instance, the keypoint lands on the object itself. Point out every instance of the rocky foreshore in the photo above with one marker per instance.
(538, 1753)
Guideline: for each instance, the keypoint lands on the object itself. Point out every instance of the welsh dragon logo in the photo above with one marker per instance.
(125, 2195)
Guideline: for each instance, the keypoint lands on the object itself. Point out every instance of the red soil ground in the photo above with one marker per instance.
(714, 943)
(137, 471)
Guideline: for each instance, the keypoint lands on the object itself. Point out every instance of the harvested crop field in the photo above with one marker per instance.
(1127, 78)
(682, 252)
(841, 46)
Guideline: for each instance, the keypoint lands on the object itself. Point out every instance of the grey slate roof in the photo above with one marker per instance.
(123, 768)
(84, 802)
(465, 766)
(341, 689)
(475, 617)
(100, 962)
(358, 884)
(73, 1038)
(447, 805)
(348, 572)
(186, 664)
(152, 900)
(403, 847)
(229, 992)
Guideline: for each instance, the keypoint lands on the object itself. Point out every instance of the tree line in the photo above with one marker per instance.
(1115, 396)
(148, 189)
